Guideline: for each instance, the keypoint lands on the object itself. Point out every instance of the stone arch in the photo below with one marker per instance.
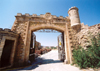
(38, 27)
(25, 24)
(46, 26)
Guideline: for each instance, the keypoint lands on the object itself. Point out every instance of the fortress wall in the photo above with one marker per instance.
(86, 33)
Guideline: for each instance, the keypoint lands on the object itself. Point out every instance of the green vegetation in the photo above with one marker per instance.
(53, 47)
(47, 47)
(90, 57)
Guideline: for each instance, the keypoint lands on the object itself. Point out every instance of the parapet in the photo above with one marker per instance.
(34, 15)
(48, 13)
(26, 14)
(41, 15)
(54, 16)
(19, 14)
(72, 8)
(61, 17)
(7, 31)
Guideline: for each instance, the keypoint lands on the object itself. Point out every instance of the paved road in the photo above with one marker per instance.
(50, 62)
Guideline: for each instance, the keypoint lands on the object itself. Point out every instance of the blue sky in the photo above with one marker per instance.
(89, 12)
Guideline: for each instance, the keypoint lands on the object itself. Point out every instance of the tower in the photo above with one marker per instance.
(74, 18)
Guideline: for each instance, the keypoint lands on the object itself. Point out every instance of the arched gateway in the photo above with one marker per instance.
(26, 24)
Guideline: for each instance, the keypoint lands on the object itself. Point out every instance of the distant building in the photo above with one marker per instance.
(37, 45)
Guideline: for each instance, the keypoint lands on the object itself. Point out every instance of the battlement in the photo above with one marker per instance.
(19, 14)
(72, 8)
(41, 15)
(6, 30)
(26, 14)
(48, 13)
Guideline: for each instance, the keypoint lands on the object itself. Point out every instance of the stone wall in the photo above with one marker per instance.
(81, 36)
(7, 34)
(86, 33)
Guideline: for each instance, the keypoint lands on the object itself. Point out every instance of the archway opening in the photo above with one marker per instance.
(47, 40)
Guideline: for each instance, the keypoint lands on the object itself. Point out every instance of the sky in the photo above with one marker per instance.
(89, 12)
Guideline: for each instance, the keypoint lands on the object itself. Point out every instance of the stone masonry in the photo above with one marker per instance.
(86, 33)
(7, 34)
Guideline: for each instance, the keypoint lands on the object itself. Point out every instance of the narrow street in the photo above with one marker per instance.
(50, 62)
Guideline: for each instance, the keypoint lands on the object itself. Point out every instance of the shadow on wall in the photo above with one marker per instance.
(39, 61)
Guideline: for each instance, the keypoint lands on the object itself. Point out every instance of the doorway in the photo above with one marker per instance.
(6, 54)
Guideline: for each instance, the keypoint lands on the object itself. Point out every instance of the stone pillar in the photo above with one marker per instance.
(27, 43)
(68, 45)
(20, 27)
(66, 52)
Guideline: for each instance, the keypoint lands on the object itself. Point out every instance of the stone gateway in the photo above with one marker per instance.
(26, 24)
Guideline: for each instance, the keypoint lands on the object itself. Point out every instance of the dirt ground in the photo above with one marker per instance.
(50, 62)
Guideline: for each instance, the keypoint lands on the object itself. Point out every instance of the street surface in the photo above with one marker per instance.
(50, 62)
